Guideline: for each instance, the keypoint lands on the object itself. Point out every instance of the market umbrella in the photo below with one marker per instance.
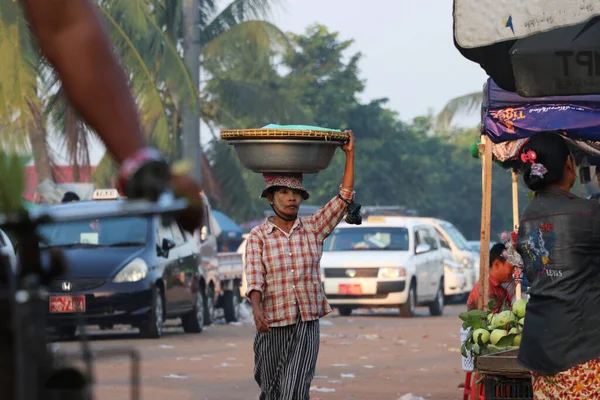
(508, 119)
(507, 116)
(225, 226)
(535, 48)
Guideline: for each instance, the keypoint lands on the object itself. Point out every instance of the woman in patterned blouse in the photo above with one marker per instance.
(284, 283)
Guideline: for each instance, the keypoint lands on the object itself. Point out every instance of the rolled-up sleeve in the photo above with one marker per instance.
(329, 216)
(254, 267)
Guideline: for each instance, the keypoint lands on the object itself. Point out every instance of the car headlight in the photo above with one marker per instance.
(450, 270)
(135, 271)
(391, 273)
(467, 262)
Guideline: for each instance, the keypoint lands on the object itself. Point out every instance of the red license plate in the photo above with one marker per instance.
(67, 304)
(351, 289)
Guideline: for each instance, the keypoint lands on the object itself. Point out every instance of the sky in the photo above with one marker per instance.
(407, 46)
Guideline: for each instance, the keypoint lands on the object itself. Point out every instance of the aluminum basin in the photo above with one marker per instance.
(285, 155)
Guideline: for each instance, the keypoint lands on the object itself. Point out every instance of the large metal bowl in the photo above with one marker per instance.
(285, 155)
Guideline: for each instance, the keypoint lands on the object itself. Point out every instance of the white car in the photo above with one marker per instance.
(384, 262)
(462, 253)
(454, 241)
(242, 250)
(454, 276)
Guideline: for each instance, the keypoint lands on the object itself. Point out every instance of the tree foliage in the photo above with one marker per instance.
(397, 163)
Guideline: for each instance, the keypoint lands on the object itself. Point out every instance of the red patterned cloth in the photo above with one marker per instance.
(581, 382)
(292, 181)
(285, 267)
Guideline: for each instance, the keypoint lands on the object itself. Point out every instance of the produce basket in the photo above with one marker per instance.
(498, 387)
(504, 377)
(285, 149)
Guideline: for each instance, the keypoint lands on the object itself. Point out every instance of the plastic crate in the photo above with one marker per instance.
(507, 388)
(467, 362)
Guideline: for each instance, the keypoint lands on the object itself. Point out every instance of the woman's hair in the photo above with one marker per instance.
(542, 160)
(273, 189)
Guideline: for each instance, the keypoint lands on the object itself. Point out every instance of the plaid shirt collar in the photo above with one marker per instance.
(269, 226)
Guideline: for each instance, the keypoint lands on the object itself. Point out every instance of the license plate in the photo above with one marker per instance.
(67, 304)
(351, 289)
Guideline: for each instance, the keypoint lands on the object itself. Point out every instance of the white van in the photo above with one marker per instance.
(462, 253)
(454, 241)
(384, 262)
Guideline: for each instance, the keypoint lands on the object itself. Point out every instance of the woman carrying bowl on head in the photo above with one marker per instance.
(559, 242)
(284, 282)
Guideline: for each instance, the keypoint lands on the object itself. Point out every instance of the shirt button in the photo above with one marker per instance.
(290, 253)
(294, 286)
(292, 270)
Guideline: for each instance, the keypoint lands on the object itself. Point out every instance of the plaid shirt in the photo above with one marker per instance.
(285, 267)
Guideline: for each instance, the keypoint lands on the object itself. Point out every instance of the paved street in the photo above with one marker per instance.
(364, 356)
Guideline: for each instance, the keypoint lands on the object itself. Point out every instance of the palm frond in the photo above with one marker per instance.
(150, 103)
(105, 172)
(132, 15)
(18, 67)
(242, 98)
(466, 104)
(229, 174)
(247, 36)
(171, 19)
(161, 55)
(38, 138)
(76, 142)
(12, 184)
(206, 11)
(237, 11)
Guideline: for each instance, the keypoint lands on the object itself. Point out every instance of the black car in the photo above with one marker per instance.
(126, 270)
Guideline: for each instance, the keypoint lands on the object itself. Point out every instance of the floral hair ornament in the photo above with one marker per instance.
(529, 156)
(537, 169)
(510, 253)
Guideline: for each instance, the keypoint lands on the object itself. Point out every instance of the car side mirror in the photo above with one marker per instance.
(422, 248)
(166, 246)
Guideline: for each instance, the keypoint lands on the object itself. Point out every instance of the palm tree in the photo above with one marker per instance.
(30, 92)
(221, 33)
(23, 127)
(148, 36)
(154, 64)
(465, 104)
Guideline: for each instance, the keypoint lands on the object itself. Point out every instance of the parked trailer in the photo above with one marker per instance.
(230, 271)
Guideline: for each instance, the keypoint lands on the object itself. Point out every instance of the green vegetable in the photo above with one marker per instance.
(519, 308)
(502, 319)
(481, 335)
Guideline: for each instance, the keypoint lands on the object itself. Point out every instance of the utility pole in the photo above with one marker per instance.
(190, 141)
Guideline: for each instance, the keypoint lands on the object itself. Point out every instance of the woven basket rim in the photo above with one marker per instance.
(229, 134)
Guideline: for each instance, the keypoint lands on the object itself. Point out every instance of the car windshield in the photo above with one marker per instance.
(123, 231)
(457, 237)
(347, 239)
